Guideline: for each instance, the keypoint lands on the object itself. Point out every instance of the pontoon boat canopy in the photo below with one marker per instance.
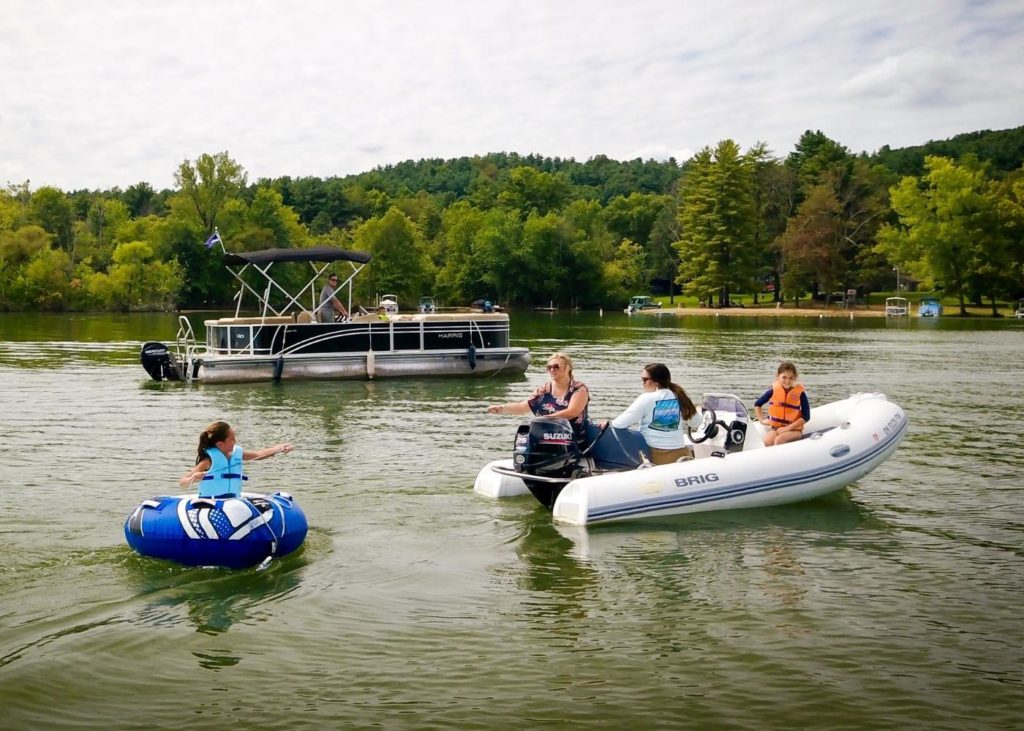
(314, 253)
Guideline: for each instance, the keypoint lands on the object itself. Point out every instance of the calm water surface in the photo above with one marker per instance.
(417, 604)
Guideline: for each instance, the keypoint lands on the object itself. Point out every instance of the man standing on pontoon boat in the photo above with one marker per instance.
(329, 303)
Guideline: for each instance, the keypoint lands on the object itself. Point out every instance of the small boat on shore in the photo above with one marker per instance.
(640, 303)
(929, 307)
(896, 307)
(613, 480)
(231, 532)
(287, 338)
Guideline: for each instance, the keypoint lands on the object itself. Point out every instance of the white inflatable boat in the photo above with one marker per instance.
(612, 479)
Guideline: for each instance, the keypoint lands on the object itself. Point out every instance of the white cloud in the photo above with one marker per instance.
(115, 91)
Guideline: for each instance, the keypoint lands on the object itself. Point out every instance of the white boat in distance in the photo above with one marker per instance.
(896, 307)
(641, 303)
(843, 441)
(285, 340)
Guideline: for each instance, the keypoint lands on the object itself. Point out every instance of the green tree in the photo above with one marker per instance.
(12, 211)
(278, 223)
(47, 279)
(816, 155)
(141, 200)
(135, 281)
(775, 198)
(208, 184)
(494, 249)
(526, 190)
(717, 223)
(462, 272)
(1009, 206)
(51, 209)
(625, 273)
(812, 244)
(544, 260)
(17, 247)
(400, 263)
(96, 236)
(941, 236)
(206, 189)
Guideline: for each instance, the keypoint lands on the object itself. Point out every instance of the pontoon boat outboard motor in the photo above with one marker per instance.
(547, 456)
(157, 360)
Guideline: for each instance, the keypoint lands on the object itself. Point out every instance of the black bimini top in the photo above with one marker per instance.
(314, 253)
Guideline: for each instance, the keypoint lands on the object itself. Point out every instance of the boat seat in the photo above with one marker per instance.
(304, 317)
(816, 433)
(618, 448)
(284, 320)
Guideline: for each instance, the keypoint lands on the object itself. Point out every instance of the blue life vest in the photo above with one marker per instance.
(224, 476)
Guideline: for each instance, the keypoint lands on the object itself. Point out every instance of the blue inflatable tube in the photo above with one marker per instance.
(234, 532)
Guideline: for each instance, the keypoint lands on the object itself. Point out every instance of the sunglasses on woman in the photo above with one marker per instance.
(553, 366)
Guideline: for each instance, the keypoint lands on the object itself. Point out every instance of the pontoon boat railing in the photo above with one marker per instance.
(263, 300)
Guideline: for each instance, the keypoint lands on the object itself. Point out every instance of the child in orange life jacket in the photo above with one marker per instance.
(219, 461)
(788, 408)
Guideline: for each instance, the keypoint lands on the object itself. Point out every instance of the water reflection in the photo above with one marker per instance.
(835, 513)
(552, 568)
(213, 599)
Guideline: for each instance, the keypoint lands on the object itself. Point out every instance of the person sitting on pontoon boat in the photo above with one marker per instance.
(335, 310)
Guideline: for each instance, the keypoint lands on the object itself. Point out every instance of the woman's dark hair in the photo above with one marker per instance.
(658, 372)
(215, 432)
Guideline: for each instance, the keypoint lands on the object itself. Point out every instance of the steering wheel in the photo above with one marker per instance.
(707, 429)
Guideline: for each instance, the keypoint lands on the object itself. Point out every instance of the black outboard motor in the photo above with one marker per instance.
(158, 362)
(547, 456)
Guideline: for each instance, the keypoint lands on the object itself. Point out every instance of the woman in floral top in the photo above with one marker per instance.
(563, 397)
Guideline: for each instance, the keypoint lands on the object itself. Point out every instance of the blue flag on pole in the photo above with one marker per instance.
(213, 240)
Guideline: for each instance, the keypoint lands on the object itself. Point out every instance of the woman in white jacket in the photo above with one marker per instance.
(663, 412)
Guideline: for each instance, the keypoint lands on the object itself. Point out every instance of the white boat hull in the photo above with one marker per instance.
(846, 440)
(352, 366)
(497, 485)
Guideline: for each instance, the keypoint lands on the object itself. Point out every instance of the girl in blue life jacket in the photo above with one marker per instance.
(219, 461)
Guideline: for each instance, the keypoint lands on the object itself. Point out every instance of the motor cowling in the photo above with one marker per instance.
(546, 447)
(158, 362)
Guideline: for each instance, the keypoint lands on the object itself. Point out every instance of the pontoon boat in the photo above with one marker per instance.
(896, 307)
(639, 303)
(284, 340)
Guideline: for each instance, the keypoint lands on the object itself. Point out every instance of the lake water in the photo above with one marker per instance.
(416, 604)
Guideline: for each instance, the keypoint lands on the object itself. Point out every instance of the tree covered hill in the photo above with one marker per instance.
(528, 229)
(1002, 149)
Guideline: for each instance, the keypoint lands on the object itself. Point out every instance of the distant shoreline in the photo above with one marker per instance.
(767, 311)
(773, 311)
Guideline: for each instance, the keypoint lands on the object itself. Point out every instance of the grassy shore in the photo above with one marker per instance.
(815, 310)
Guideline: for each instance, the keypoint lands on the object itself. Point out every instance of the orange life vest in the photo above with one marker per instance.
(784, 407)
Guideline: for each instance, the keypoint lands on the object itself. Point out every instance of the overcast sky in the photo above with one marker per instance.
(103, 93)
